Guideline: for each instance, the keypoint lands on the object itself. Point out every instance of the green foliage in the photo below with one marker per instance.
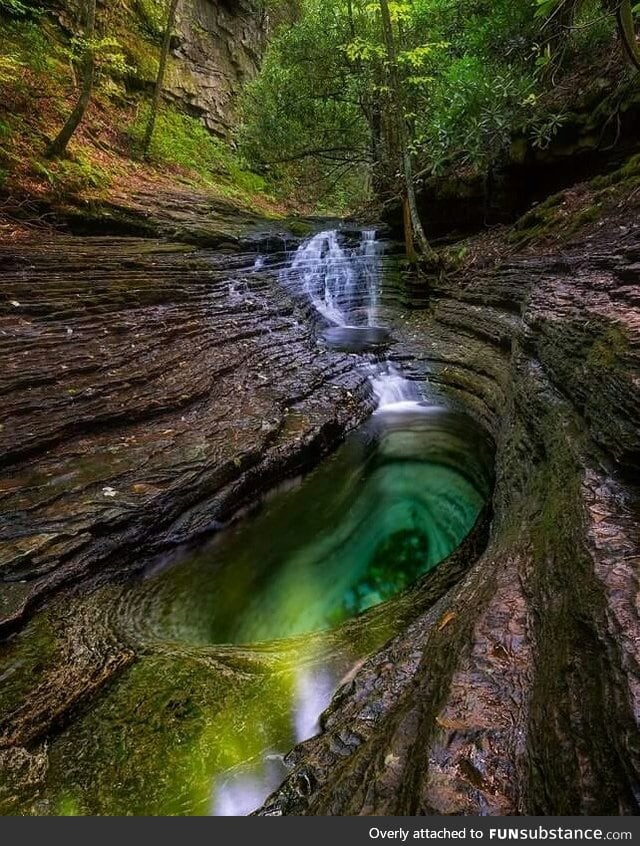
(71, 177)
(153, 14)
(13, 8)
(10, 69)
(182, 140)
(303, 122)
(472, 112)
(5, 147)
(106, 50)
(544, 128)
(474, 72)
(545, 8)
(319, 108)
(140, 57)
(24, 45)
(574, 26)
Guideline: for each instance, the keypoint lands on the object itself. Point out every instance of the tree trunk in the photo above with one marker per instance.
(414, 221)
(88, 69)
(409, 244)
(627, 30)
(162, 66)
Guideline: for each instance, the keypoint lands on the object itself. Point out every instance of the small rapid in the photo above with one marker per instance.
(393, 391)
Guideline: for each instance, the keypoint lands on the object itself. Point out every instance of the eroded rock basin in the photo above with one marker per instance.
(241, 643)
(504, 681)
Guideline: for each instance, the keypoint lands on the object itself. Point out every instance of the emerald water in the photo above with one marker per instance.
(239, 644)
(396, 499)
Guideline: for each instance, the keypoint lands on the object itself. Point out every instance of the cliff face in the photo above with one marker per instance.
(218, 48)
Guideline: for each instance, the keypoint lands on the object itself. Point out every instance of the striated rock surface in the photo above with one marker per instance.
(219, 49)
(149, 390)
(517, 692)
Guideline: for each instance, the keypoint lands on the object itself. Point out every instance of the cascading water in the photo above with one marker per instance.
(340, 281)
(393, 392)
(343, 285)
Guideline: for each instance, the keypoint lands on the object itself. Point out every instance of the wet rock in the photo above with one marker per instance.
(517, 691)
(189, 382)
(149, 391)
(356, 338)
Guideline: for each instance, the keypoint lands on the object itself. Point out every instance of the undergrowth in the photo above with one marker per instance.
(38, 88)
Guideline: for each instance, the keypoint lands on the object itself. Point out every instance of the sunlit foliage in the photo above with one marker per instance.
(473, 73)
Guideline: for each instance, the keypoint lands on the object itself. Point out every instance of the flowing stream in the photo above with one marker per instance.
(243, 641)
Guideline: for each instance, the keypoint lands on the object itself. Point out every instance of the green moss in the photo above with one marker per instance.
(27, 654)
(587, 215)
(629, 172)
(179, 76)
(519, 150)
(608, 349)
(299, 228)
(182, 140)
(71, 177)
(152, 14)
(25, 45)
(141, 56)
(539, 221)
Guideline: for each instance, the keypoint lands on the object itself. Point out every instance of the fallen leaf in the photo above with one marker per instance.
(450, 725)
(448, 617)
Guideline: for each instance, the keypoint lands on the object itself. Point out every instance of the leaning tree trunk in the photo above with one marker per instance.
(409, 201)
(88, 68)
(627, 30)
(162, 66)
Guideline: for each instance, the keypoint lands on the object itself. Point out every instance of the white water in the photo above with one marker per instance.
(393, 392)
(341, 282)
(244, 789)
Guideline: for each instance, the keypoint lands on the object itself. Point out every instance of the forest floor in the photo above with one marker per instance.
(103, 166)
(581, 210)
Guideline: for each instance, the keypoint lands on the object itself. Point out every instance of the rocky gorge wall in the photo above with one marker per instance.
(517, 692)
(217, 49)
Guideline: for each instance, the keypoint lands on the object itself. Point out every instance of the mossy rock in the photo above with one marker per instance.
(142, 56)
(608, 349)
(299, 228)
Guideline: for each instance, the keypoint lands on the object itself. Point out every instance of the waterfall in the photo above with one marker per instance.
(340, 281)
(370, 249)
(393, 391)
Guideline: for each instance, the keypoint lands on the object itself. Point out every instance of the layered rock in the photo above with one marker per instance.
(517, 692)
(218, 49)
(148, 391)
